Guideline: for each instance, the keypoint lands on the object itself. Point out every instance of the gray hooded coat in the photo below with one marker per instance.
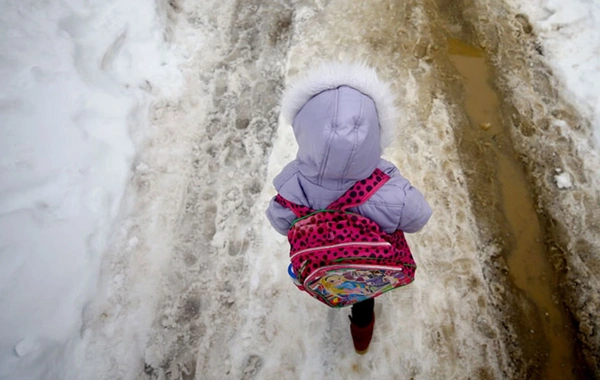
(334, 114)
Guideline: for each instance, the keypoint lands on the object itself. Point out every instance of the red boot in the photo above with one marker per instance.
(361, 336)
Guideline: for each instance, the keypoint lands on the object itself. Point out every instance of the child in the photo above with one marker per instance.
(343, 116)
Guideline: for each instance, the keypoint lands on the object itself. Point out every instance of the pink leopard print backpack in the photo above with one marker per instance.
(340, 257)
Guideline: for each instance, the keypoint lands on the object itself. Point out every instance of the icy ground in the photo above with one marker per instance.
(138, 145)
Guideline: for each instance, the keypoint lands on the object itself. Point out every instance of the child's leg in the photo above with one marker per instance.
(362, 312)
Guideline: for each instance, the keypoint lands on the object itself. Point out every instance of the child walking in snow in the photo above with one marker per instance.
(343, 116)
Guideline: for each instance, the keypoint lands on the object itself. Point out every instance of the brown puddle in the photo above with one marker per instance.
(528, 265)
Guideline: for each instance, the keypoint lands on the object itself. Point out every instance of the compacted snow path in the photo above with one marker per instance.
(198, 287)
(174, 285)
(203, 289)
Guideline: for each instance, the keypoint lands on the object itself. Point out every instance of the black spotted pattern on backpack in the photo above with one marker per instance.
(362, 189)
(334, 237)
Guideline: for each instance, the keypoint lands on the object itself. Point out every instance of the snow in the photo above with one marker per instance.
(568, 33)
(76, 82)
(194, 278)
(563, 181)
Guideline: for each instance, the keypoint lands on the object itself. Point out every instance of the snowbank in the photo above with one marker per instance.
(76, 82)
(568, 33)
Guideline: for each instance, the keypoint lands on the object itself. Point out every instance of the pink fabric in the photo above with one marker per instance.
(336, 238)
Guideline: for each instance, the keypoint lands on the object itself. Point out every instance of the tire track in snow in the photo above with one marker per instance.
(549, 134)
(538, 332)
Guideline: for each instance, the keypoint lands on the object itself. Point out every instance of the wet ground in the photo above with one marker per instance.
(550, 254)
(505, 194)
(202, 291)
(540, 319)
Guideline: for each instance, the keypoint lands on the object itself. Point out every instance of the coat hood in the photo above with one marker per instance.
(342, 116)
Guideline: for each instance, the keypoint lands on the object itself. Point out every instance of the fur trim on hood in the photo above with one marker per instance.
(335, 74)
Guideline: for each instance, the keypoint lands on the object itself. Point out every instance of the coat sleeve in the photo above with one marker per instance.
(416, 211)
(280, 217)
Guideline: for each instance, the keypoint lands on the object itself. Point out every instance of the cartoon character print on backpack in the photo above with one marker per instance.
(359, 284)
(341, 283)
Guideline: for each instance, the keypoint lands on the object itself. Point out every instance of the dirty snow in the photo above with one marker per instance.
(194, 281)
(568, 33)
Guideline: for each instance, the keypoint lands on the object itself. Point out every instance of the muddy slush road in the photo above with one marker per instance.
(507, 286)
(480, 50)
(508, 174)
(539, 329)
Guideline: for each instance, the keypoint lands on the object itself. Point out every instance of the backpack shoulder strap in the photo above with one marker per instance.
(298, 210)
(361, 191)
